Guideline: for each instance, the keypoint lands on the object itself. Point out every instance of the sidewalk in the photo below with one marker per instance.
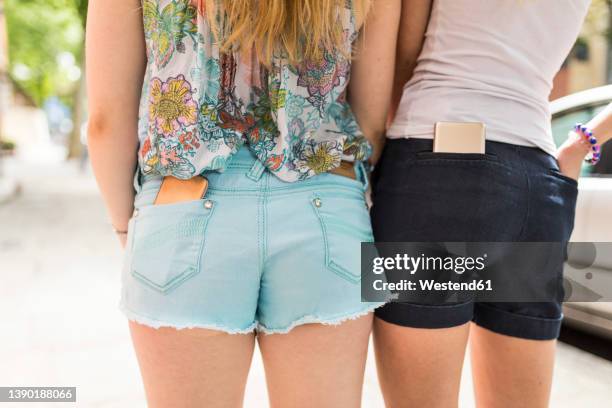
(59, 268)
(9, 188)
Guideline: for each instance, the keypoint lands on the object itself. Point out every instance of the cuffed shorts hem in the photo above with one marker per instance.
(516, 325)
(486, 316)
(426, 317)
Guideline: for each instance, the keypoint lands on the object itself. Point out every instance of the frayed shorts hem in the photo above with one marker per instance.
(157, 324)
(326, 321)
(255, 326)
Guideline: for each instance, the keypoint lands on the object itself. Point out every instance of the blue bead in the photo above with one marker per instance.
(596, 155)
(584, 128)
(589, 133)
(593, 141)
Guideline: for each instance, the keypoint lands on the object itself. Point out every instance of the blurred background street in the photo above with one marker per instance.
(60, 262)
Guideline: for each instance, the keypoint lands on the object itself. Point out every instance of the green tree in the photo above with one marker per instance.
(81, 6)
(79, 113)
(45, 45)
(46, 40)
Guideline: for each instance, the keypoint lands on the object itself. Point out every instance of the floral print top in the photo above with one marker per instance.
(199, 105)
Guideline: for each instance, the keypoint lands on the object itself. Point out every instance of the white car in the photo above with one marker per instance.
(593, 212)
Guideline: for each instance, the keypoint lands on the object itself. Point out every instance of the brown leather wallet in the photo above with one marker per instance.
(346, 169)
(174, 190)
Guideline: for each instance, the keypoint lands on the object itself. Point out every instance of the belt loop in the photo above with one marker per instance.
(257, 171)
(362, 174)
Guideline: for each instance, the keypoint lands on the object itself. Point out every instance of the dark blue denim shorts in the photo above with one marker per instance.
(509, 194)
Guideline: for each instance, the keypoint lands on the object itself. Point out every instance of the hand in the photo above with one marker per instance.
(571, 156)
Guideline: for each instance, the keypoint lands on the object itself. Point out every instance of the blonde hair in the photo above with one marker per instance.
(299, 29)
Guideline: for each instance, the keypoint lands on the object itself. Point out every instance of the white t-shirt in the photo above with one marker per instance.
(490, 61)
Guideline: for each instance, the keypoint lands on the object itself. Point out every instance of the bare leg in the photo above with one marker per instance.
(316, 365)
(192, 367)
(511, 372)
(419, 367)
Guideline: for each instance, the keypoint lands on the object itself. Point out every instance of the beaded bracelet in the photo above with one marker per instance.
(595, 155)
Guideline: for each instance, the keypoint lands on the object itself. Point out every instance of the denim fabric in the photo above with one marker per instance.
(227, 262)
(510, 194)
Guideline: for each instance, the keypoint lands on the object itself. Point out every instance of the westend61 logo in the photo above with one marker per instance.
(412, 264)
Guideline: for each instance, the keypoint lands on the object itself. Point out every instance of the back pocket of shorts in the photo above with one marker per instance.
(560, 176)
(167, 244)
(345, 223)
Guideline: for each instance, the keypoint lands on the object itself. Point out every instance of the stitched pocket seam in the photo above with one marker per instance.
(329, 263)
(192, 270)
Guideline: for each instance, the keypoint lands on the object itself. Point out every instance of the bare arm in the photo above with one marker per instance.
(573, 151)
(372, 71)
(115, 59)
(413, 24)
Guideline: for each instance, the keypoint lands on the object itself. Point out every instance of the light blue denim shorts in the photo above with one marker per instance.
(256, 253)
